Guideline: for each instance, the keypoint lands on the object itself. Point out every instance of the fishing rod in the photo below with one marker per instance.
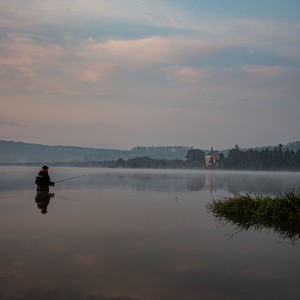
(68, 179)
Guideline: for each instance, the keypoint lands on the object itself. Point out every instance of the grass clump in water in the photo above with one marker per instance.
(279, 213)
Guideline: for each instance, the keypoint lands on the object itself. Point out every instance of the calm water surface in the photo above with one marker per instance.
(139, 234)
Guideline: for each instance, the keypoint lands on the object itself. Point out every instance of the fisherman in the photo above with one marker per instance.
(43, 180)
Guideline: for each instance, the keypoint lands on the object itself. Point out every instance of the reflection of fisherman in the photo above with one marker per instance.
(43, 180)
(42, 200)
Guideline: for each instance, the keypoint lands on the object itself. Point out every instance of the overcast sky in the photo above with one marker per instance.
(125, 73)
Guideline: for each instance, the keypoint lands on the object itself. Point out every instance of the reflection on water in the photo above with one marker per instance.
(137, 234)
(155, 180)
(252, 182)
(283, 231)
(42, 199)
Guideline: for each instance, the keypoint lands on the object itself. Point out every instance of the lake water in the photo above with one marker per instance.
(139, 234)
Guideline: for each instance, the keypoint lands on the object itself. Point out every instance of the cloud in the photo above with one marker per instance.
(92, 67)
(142, 53)
(135, 66)
(8, 123)
(48, 68)
(156, 13)
(237, 81)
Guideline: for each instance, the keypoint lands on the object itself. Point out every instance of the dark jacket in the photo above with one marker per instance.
(43, 181)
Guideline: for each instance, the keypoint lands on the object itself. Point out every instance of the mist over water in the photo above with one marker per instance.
(139, 234)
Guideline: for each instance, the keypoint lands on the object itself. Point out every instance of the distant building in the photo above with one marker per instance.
(212, 158)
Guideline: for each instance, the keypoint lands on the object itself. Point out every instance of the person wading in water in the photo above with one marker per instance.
(43, 196)
(43, 180)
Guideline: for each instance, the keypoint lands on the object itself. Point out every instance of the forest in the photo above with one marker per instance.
(278, 158)
(275, 159)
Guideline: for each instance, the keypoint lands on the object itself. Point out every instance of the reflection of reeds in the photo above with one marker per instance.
(279, 213)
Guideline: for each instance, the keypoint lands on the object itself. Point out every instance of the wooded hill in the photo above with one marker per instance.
(19, 152)
(263, 158)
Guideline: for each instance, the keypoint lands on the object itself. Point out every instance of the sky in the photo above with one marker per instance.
(126, 73)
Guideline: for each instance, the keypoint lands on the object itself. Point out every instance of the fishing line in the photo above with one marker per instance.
(68, 179)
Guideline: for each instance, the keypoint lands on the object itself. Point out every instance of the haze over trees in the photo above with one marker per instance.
(20, 152)
(162, 157)
(277, 158)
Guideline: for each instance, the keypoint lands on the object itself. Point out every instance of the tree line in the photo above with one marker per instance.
(277, 158)
(273, 159)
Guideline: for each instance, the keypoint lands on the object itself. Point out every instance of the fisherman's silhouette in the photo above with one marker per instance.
(43, 196)
(43, 181)
(42, 200)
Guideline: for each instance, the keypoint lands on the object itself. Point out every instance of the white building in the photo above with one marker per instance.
(212, 158)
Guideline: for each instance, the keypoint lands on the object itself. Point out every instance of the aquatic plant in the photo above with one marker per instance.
(279, 213)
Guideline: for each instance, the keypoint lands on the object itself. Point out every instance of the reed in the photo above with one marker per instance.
(279, 213)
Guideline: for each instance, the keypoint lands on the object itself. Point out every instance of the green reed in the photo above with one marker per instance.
(279, 213)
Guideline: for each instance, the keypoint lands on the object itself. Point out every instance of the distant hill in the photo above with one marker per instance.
(19, 152)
